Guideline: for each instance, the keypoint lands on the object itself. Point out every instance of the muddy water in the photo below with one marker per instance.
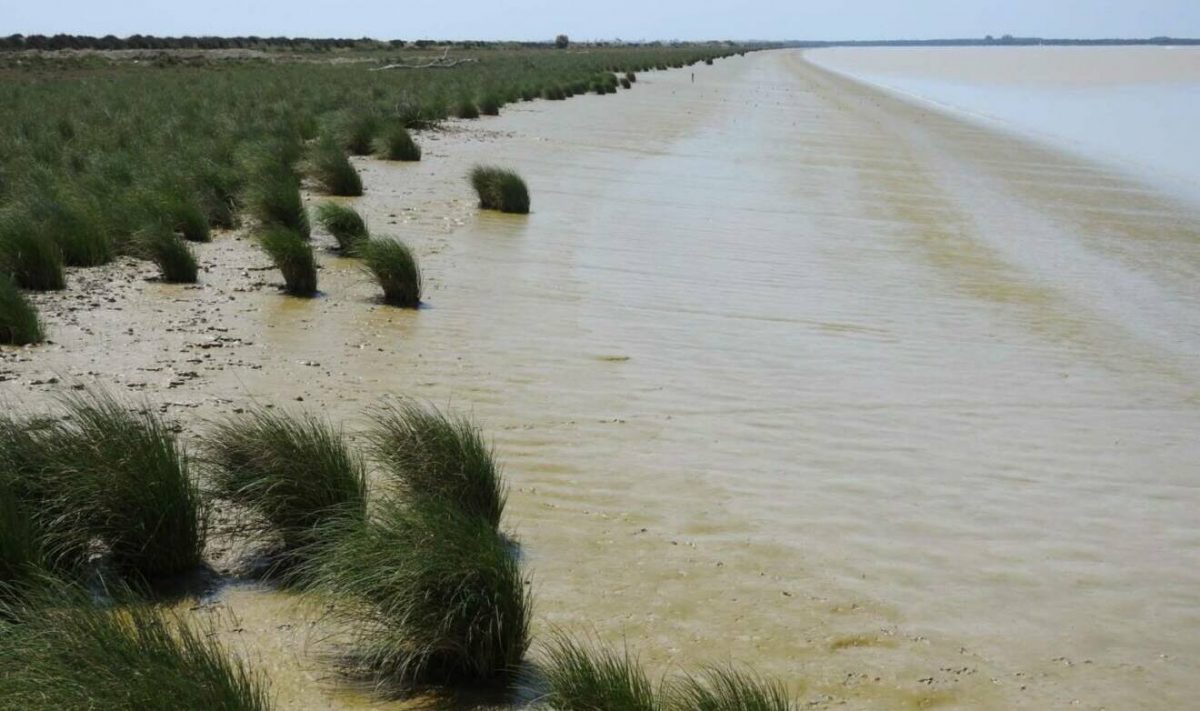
(783, 370)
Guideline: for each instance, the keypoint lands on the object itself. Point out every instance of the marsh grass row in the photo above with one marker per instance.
(100, 161)
(102, 508)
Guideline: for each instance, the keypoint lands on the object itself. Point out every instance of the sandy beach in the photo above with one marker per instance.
(782, 368)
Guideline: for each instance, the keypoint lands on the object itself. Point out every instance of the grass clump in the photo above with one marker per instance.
(466, 109)
(626, 84)
(175, 260)
(19, 323)
(126, 474)
(333, 170)
(61, 650)
(395, 269)
(729, 689)
(631, 77)
(436, 597)
(34, 261)
(399, 144)
(432, 456)
(275, 200)
(580, 677)
(293, 256)
(500, 189)
(345, 224)
(294, 473)
(489, 104)
(359, 134)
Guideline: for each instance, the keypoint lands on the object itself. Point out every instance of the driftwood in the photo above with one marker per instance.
(442, 62)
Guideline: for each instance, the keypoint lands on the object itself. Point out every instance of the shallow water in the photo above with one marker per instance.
(1135, 108)
(783, 370)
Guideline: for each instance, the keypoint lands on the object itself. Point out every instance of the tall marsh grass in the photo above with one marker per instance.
(586, 677)
(395, 269)
(332, 169)
(175, 260)
(500, 189)
(63, 650)
(19, 322)
(34, 261)
(398, 144)
(345, 224)
(293, 257)
(295, 473)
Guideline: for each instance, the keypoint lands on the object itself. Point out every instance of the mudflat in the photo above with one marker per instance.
(783, 369)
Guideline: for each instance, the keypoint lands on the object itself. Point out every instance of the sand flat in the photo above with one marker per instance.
(783, 370)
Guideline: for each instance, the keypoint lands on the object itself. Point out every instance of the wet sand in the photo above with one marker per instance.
(783, 370)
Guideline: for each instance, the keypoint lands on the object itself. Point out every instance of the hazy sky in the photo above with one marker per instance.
(625, 19)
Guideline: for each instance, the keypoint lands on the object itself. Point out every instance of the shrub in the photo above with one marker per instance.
(333, 170)
(729, 689)
(466, 109)
(709, 61)
(19, 324)
(345, 224)
(582, 677)
(489, 104)
(62, 650)
(554, 93)
(625, 84)
(33, 260)
(631, 77)
(176, 263)
(436, 597)
(294, 473)
(275, 200)
(293, 257)
(395, 269)
(430, 455)
(399, 144)
(500, 189)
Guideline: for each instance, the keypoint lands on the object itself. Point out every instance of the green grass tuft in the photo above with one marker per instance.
(294, 472)
(359, 134)
(396, 271)
(34, 260)
(333, 170)
(729, 689)
(19, 323)
(176, 263)
(489, 104)
(436, 598)
(399, 144)
(293, 256)
(62, 650)
(431, 455)
(345, 224)
(581, 677)
(275, 200)
(466, 109)
(500, 189)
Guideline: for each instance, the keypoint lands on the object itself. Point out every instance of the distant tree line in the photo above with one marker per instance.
(149, 42)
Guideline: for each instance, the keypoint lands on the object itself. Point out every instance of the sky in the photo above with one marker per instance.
(608, 19)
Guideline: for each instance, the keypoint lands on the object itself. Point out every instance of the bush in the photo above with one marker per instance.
(729, 689)
(466, 109)
(19, 324)
(345, 224)
(332, 169)
(33, 260)
(584, 678)
(436, 597)
(430, 455)
(293, 257)
(631, 77)
(554, 93)
(275, 200)
(625, 83)
(176, 263)
(294, 473)
(500, 189)
(399, 144)
(395, 269)
(62, 650)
